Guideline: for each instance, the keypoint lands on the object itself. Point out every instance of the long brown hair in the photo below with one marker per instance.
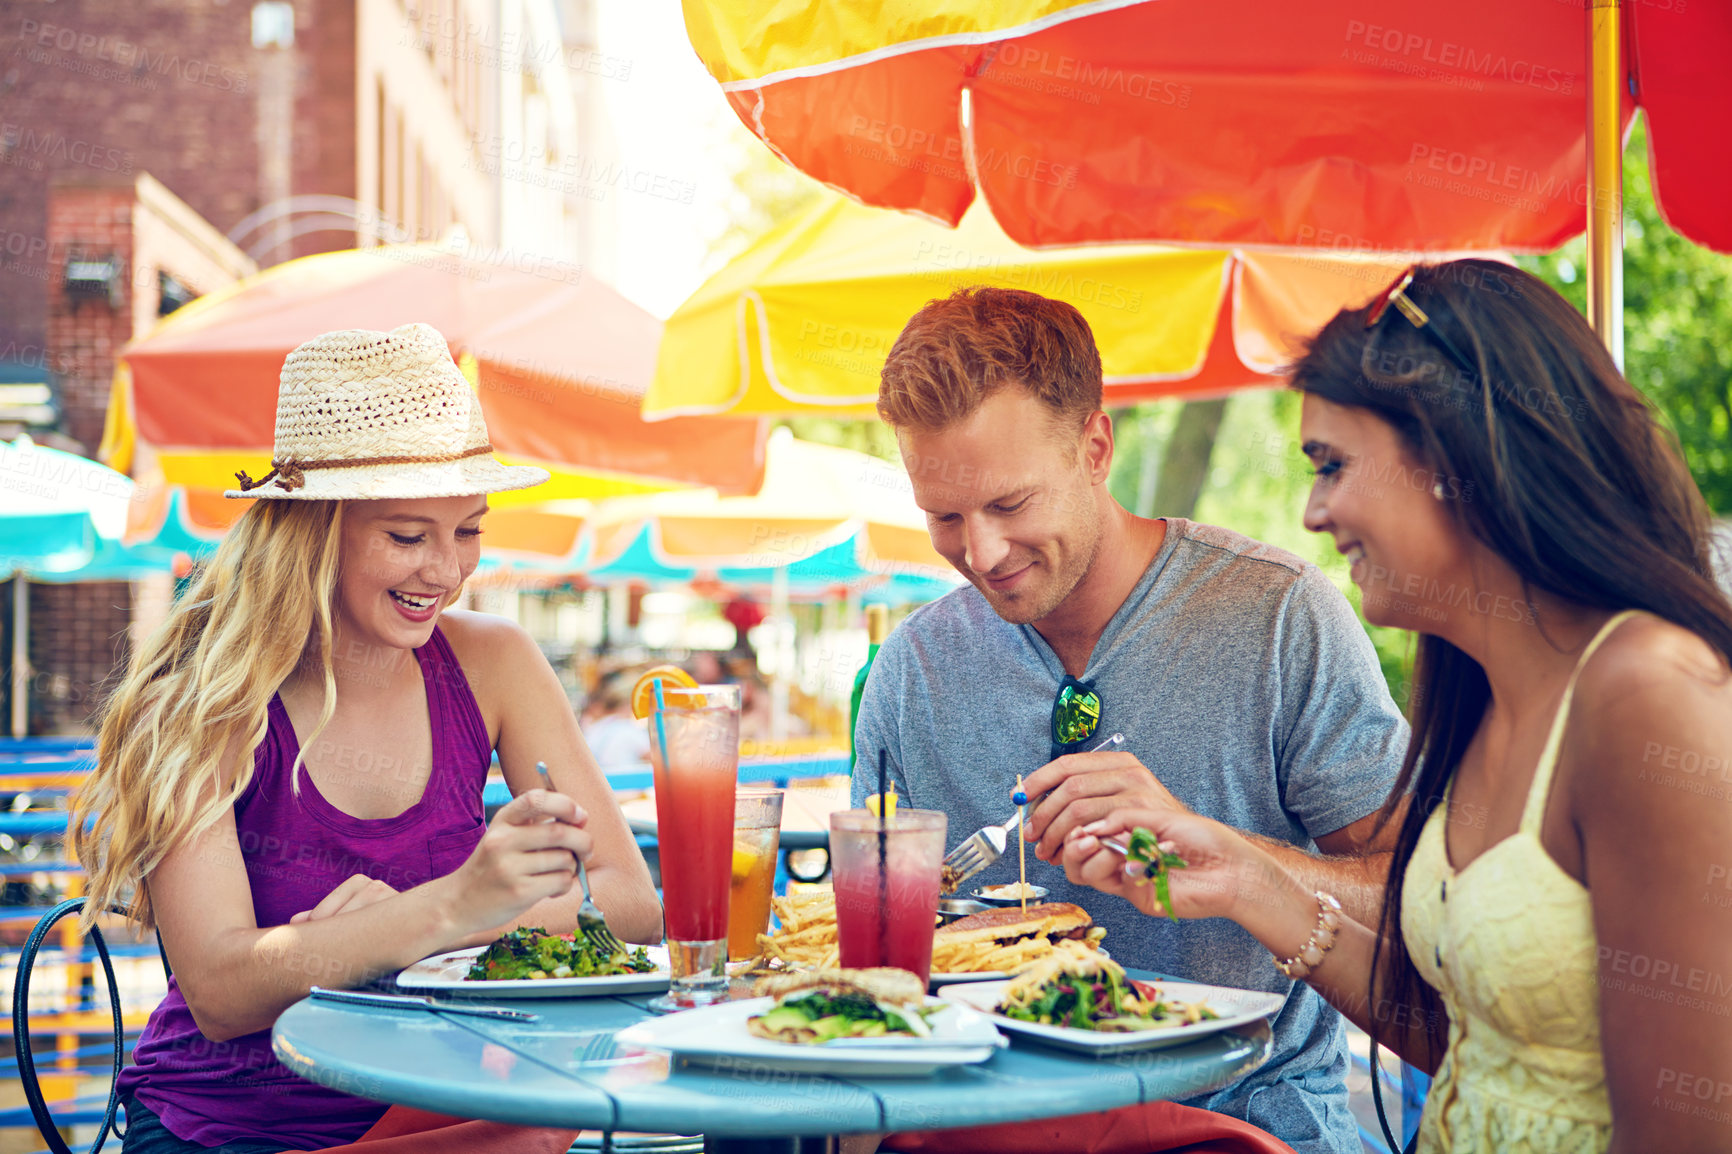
(1567, 476)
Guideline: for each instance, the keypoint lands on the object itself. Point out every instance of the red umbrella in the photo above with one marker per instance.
(1331, 123)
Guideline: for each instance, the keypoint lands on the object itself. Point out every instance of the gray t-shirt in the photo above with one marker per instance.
(1241, 678)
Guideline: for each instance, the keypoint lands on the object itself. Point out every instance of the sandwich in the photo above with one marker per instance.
(1005, 940)
(1048, 921)
(822, 1005)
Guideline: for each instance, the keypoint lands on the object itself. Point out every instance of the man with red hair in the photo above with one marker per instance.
(1241, 680)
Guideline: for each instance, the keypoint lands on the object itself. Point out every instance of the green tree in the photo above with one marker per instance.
(1256, 484)
(764, 191)
(1677, 324)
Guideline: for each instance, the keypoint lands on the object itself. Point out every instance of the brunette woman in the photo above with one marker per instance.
(1548, 947)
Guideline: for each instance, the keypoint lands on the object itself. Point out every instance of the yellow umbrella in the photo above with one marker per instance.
(801, 322)
(814, 497)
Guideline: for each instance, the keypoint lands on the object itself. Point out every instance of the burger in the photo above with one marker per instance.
(822, 1005)
(1049, 921)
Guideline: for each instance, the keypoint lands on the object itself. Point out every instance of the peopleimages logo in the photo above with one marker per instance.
(1079, 75)
(1489, 178)
(127, 55)
(26, 147)
(1415, 53)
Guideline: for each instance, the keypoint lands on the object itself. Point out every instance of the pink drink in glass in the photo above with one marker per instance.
(887, 923)
(694, 784)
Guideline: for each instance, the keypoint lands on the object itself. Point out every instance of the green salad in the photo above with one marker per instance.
(535, 953)
(1142, 847)
(1080, 989)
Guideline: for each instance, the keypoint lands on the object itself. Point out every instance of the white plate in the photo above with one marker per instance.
(1236, 1007)
(938, 979)
(443, 974)
(1007, 903)
(717, 1036)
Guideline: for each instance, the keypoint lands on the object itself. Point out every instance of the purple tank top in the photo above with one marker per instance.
(297, 850)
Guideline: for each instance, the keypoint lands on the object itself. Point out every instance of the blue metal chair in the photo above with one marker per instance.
(39, 1111)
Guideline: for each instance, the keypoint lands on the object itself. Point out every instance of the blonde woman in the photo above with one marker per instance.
(289, 777)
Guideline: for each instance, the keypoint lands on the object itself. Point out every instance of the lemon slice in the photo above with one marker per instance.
(673, 679)
(872, 804)
(744, 860)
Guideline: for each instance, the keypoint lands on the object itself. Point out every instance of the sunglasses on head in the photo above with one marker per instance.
(1076, 714)
(1396, 294)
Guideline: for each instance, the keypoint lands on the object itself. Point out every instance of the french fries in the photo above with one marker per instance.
(807, 939)
(987, 957)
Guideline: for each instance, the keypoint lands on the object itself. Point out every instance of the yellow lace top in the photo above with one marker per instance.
(1509, 944)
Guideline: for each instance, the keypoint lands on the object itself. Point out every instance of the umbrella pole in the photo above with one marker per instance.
(1605, 176)
(20, 654)
(781, 615)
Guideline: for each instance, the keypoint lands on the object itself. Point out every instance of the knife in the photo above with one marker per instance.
(417, 1002)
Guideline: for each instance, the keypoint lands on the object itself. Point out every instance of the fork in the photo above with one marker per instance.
(590, 919)
(986, 845)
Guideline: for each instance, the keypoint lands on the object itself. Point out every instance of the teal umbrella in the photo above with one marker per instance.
(906, 589)
(56, 508)
(816, 575)
(177, 534)
(62, 518)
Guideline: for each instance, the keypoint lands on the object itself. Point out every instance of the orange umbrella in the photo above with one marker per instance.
(560, 361)
(548, 535)
(1331, 123)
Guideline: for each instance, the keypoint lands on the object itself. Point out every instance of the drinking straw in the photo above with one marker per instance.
(1021, 846)
(661, 726)
(883, 865)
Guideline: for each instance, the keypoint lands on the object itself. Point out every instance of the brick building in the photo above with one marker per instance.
(122, 252)
(93, 89)
(301, 127)
(269, 129)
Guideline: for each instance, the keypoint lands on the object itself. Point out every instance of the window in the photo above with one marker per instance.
(273, 24)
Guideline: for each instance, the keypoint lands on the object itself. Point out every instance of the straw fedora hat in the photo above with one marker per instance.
(364, 415)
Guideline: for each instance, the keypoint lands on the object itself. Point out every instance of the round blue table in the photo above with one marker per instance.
(564, 1070)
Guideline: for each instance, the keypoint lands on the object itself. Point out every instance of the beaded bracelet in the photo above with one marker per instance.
(1322, 940)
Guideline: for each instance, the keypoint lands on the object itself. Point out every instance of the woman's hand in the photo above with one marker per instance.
(1224, 870)
(529, 853)
(357, 892)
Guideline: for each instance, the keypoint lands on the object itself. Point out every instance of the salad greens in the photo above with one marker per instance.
(848, 1015)
(1142, 847)
(1094, 994)
(535, 953)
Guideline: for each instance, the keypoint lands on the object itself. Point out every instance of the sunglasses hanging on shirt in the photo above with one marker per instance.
(1076, 714)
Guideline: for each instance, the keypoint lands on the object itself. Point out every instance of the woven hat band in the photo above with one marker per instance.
(289, 474)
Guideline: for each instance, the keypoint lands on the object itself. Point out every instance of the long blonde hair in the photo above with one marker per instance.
(195, 698)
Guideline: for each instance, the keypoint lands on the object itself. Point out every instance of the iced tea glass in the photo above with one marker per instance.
(695, 774)
(887, 902)
(757, 835)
